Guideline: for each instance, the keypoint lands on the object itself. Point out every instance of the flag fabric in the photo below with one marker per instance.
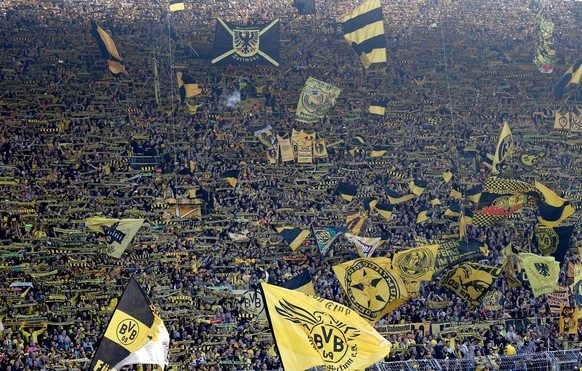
(378, 107)
(231, 177)
(293, 236)
(542, 272)
(191, 109)
(364, 245)
(454, 209)
(572, 76)
(557, 299)
(552, 208)
(544, 54)
(435, 202)
(311, 332)
(286, 148)
(554, 241)
(455, 191)
(500, 199)
(108, 49)
(569, 320)
(417, 186)
(355, 222)
(363, 29)
(474, 194)
(416, 264)
(422, 215)
(347, 191)
(372, 288)
(471, 281)
(562, 122)
(454, 252)
(503, 150)
(118, 232)
(319, 149)
(249, 45)
(265, 135)
(135, 334)
(187, 87)
(576, 289)
(396, 198)
(447, 176)
(176, 5)
(316, 99)
(304, 6)
(379, 151)
(385, 210)
(301, 282)
(325, 238)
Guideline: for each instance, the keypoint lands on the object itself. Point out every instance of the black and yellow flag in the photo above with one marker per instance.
(379, 151)
(311, 332)
(542, 272)
(569, 320)
(416, 264)
(301, 282)
(135, 334)
(455, 191)
(503, 150)
(454, 209)
(385, 210)
(371, 287)
(231, 177)
(316, 99)
(265, 135)
(422, 215)
(293, 236)
(363, 29)
(552, 208)
(355, 221)
(576, 288)
(319, 149)
(554, 241)
(325, 237)
(572, 76)
(187, 87)
(500, 199)
(417, 186)
(347, 190)
(108, 50)
(447, 176)
(471, 281)
(118, 232)
(396, 198)
(250, 45)
(453, 252)
(474, 194)
(176, 5)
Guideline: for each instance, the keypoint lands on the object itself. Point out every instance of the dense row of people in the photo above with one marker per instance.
(78, 142)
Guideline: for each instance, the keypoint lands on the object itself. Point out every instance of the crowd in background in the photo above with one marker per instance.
(72, 134)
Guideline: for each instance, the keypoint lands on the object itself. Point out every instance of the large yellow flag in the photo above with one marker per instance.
(552, 209)
(542, 272)
(118, 232)
(471, 281)
(371, 287)
(312, 332)
(416, 264)
(504, 148)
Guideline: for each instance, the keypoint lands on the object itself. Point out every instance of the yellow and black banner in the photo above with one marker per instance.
(363, 29)
(301, 282)
(569, 320)
(396, 198)
(416, 264)
(293, 236)
(572, 76)
(316, 99)
(542, 272)
(118, 232)
(552, 208)
(135, 334)
(250, 45)
(311, 332)
(187, 87)
(503, 150)
(417, 186)
(471, 281)
(553, 241)
(108, 49)
(347, 191)
(371, 287)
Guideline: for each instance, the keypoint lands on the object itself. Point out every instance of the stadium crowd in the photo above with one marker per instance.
(77, 142)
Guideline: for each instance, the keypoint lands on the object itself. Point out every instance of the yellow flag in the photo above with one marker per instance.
(569, 320)
(118, 232)
(312, 332)
(542, 272)
(504, 148)
(371, 287)
(416, 264)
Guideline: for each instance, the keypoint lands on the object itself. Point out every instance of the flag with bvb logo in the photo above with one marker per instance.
(311, 332)
(135, 334)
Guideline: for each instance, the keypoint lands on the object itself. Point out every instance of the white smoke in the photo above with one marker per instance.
(231, 98)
